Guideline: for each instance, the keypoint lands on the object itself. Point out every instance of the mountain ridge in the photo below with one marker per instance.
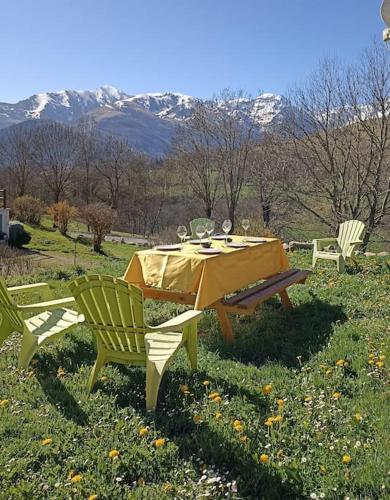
(147, 121)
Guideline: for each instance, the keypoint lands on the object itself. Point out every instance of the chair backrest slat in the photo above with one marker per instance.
(10, 318)
(349, 231)
(114, 310)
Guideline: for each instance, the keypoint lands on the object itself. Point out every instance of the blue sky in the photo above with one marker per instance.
(196, 47)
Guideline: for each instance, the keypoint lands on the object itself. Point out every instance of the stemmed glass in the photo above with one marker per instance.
(226, 227)
(200, 231)
(245, 225)
(210, 225)
(182, 233)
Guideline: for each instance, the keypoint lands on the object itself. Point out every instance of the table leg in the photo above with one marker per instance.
(226, 324)
(287, 304)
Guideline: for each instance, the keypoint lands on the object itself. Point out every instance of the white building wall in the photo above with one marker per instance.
(4, 220)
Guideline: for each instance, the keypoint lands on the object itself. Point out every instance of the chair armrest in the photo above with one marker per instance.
(323, 242)
(178, 323)
(42, 288)
(358, 242)
(50, 305)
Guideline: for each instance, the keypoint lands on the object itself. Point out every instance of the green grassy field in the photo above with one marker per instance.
(303, 408)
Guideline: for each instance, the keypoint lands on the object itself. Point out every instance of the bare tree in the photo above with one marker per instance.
(268, 168)
(339, 136)
(197, 158)
(100, 218)
(87, 154)
(55, 153)
(114, 159)
(16, 156)
(235, 135)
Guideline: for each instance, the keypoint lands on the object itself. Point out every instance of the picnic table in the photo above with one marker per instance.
(203, 281)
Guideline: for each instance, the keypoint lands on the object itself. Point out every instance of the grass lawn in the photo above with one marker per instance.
(303, 408)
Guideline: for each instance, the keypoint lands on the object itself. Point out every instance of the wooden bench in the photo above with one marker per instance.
(246, 302)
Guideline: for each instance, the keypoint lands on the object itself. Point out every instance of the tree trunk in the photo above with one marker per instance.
(266, 214)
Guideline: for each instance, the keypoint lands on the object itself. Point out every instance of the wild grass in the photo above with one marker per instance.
(303, 409)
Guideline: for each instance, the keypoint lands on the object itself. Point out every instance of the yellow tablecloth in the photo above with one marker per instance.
(211, 277)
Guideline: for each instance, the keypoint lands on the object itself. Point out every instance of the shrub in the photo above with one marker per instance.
(62, 213)
(18, 236)
(100, 218)
(28, 209)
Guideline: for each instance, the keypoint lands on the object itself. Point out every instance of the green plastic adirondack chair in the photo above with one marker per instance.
(114, 310)
(197, 222)
(350, 234)
(52, 321)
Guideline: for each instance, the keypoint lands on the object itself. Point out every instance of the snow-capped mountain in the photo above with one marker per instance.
(147, 121)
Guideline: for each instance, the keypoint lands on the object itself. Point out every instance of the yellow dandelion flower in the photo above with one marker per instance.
(113, 453)
(347, 459)
(243, 439)
(4, 403)
(206, 382)
(370, 361)
(197, 419)
(236, 422)
(168, 487)
(328, 372)
(340, 362)
(280, 403)
(46, 441)
(267, 389)
(103, 378)
(143, 431)
(371, 355)
(76, 478)
(379, 364)
(217, 399)
(159, 442)
(269, 422)
(278, 418)
(71, 474)
(92, 497)
(213, 395)
(264, 459)
(184, 388)
(307, 399)
(61, 372)
(336, 395)
(382, 357)
(358, 417)
(218, 415)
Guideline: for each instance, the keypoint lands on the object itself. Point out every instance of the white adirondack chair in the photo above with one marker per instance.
(350, 234)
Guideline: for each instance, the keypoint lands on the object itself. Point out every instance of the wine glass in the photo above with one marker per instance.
(182, 233)
(226, 227)
(245, 225)
(200, 231)
(210, 225)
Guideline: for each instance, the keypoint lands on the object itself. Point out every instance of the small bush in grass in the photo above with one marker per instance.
(28, 209)
(100, 218)
(62, 213)
(18, 236)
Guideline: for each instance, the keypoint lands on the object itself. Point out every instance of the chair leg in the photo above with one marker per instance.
(28, 349)
(313, 264)
(341, 264)
(153, 380)
(100, 361)
(191, 345)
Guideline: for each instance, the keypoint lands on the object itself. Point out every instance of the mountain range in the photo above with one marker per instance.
(147, 121)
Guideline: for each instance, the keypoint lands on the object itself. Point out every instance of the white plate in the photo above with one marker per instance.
(197, 242)
(167, 248)
(210, 251)
(255, 240)
(236, 244)
(220, 237)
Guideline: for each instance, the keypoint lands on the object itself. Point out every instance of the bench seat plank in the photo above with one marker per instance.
(262, 292)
